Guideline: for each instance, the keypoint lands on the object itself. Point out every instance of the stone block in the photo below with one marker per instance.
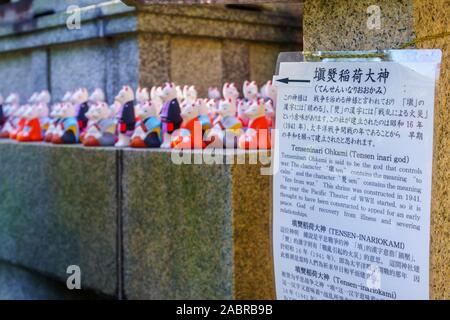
(235, 57)
(23, 72)
(196, 61)
(58, 207)
(195, 231)
(154, 52)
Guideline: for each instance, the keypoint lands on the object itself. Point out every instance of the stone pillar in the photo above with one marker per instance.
(342, 25)
(195, 231)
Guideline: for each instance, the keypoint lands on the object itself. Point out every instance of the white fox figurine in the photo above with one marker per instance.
(269, 94)
(80, 99)
(250, 91)
(98, 95)
(155, 97)
(147, 133)
(55, 116)
(102, 128)
(189, 94)
(190, 133)
(142, 97)
(2, 113)
(230, 92)
(42, 102)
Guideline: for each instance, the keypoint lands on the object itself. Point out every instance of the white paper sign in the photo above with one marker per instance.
(352, 195)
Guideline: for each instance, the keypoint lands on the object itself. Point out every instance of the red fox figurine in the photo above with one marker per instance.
(257, 135)
(32, 130)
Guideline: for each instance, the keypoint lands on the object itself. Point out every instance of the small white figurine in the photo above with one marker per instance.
(147, 133)
(125, 116)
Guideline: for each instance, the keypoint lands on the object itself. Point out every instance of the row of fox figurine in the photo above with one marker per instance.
(167, 117)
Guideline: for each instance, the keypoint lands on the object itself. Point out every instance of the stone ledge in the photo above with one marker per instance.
(186, 231)
(118, 19)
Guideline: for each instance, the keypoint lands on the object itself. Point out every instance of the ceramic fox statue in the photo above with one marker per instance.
(125, 116)
(214, 93)
(269, 94)
(148, 129)
(56, 116)
(43, 111)
(230, 92)
(211, 106)
(98, 95)
(80, 99)
(257, 135)
(227, 127)
(67, 96)
(68, 131)
(102, 128)
(53, 125)
(190, 135)
(170, 113)
(155, 97)
(142, 96)
(203, 116)
(180, 96)
(189, 94)
(19, 116)
(11, 121)
(250, 91)
(32, 128)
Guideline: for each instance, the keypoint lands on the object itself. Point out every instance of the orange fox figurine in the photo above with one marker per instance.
(257, 135)
(190, 135)
(32, 130)
(20, 121)
(9, 113)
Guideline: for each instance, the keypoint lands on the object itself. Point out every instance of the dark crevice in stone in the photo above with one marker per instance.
(245, 7)
(119, 198)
